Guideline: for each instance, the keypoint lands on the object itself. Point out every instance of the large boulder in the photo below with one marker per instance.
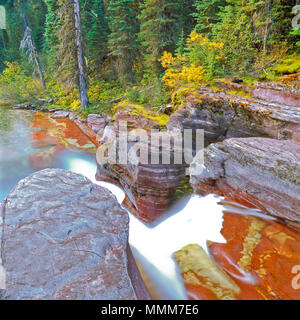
(65, 238)
(223, 116)
(265, 172)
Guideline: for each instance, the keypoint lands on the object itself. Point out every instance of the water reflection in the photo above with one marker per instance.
(31, 142)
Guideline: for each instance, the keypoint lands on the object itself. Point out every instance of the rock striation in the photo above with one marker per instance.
(264, 172)
(149, 187)
(224, 116)
(62, 237)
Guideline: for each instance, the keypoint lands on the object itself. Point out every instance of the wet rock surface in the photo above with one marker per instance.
(265, 172)
(65, 238)
(60, 114)
(55, 136)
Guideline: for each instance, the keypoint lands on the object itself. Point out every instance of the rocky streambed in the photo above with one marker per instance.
(236, 237)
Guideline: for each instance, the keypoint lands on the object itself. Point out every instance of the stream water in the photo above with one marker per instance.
(204, 248)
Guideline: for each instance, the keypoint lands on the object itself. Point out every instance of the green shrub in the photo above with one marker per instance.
(16, 85)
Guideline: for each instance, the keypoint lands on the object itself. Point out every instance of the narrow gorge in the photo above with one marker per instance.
(230, 232)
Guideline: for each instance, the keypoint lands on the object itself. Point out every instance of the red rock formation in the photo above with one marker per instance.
(149, 188)
(223, 116)
(262, 171)
(87, 131)
(277, 93)
(96, 122)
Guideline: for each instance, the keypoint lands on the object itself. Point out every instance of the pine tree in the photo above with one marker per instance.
(95, 29)
(82, 86)
(122, 38)
(159, 31)
(51, 32)
(12, 35)
(187, 22)
(207, 14)
(282, 17)
(28, 45)
(36, 13)
(70, 56)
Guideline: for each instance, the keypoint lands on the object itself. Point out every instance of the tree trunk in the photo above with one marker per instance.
(80, 61)
(29, 43)
(3, 39)
(268, 25)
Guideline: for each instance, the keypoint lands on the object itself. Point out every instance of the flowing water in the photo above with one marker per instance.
(205, 247)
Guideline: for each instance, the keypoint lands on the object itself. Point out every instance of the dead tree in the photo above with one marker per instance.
(268, 25)
(80, 60)
(27, 44)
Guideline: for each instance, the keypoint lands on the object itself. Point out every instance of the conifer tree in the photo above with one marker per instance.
(36, 13)
(70, 56)
(207, 14)
(82, 86)
(95, 29)
(51, 31)
(160, 30)
(66, 53)
(122, 38)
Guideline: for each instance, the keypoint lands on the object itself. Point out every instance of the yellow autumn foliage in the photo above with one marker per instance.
(138, 110)
(197, 64)
(167, 60)
(178, 74)
(199, 39)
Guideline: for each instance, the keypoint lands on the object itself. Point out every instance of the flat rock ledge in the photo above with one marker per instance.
(62, 237)
(262, 171)
(224, 116)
